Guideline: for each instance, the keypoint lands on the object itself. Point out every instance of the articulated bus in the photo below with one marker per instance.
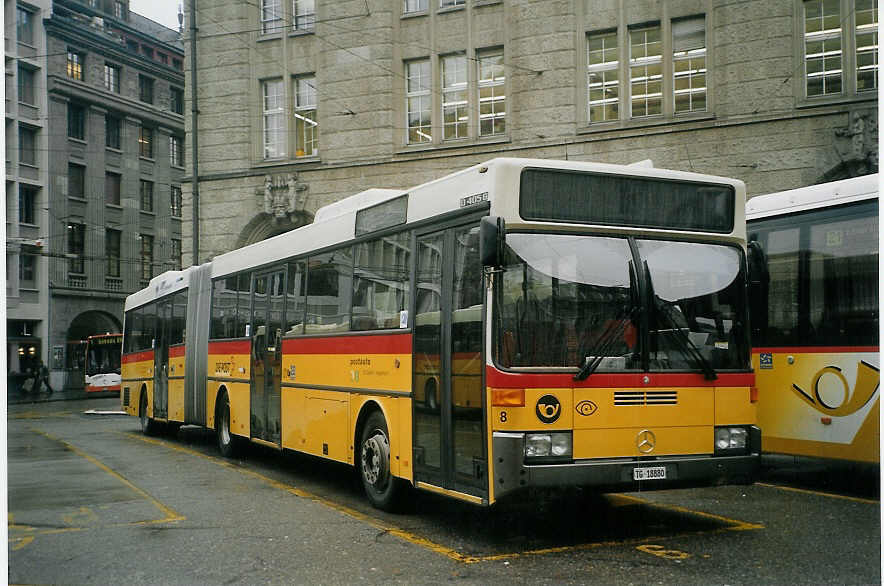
(102, 366)
(815, 319)
(518, 324)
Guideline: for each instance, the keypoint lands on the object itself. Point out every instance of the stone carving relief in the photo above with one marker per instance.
(282, 197)
(856, 147)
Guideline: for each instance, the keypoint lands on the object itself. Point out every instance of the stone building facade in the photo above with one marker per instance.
(112, 133)
(302, 103)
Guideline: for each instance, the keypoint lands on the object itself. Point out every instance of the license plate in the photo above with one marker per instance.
(652, 473)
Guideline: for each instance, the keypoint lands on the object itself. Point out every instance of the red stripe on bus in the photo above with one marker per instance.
(518, 380)
(816, 349)
(389, 344)
(92, 389)
(230, 347)
(176, 351)
(138, 357)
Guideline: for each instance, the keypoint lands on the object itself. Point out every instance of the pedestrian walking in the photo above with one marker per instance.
(41, 377)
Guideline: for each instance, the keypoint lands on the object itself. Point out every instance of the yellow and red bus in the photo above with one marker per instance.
(521, 323)
(102, 364)
(815, 319)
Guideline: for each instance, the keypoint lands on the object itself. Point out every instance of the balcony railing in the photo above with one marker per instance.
(77, 281)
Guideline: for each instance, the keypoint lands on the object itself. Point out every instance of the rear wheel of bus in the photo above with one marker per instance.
(227, 442)
(381, 487)
(148, 425)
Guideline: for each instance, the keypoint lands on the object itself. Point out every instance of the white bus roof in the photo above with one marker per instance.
(336, 222)
(812, 197)
(160, 286)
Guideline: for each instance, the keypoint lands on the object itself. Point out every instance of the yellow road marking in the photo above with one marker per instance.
(85, 514)
(819, 493)
(619, 499)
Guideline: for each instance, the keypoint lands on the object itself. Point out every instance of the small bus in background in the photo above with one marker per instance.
(815, 319)
(521, 323)
(102, 362)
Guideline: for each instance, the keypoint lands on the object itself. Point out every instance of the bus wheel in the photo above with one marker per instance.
(430, 395)
(374, 462)
(148, 425)
(226, 440)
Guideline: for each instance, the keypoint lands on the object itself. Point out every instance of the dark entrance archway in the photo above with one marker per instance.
(88, 323)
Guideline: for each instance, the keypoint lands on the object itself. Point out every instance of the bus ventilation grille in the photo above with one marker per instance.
(645, 398)
(126, 396)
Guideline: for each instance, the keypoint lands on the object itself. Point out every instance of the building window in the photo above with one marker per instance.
(120, 10)
(492, 93)
(26, 93)
(146, 256)
(112, 126)
(175, 201)
(418, 100)
(145, 89)
(76, 248)
(451, 3)
(27, 270)
(822, 47)
(866, 45)
(455, 100)
(177, 64)
(24, 25)
(271, 16)
(176, 151)
(274, 119)
(132, 45)
(112, 252)
(176, 99)
(76, 181)
(75, 65)
(27, 145)
(306, 126)
(27, 204)
(303, 15)
(415, 6)
(603, 77)
(175, 254)
(148, 51)
(76, 121)
(145, 142)
(146, 191)
(646, 71)
(112, 78)
(112, 182)
(689, 64)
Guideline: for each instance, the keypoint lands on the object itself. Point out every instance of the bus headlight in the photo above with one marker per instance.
(556, 445)
(730, 439)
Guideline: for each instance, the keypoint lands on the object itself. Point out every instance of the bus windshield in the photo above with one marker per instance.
(567, 300)
(103, 358)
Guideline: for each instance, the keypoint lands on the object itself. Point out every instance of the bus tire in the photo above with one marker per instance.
(381, 487)
(148, 425)
(430, 395)
(227, 442)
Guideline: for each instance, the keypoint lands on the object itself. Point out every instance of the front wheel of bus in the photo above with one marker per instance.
(226, 440)
(380, 486)
(148, 425)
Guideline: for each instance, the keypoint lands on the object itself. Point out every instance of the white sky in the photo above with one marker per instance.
(164, 12)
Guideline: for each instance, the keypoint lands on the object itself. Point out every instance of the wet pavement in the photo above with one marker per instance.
(20, 397)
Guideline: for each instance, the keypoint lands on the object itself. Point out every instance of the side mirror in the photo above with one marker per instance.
(492, 235)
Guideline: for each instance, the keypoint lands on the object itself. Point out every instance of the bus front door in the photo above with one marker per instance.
(448, 405)
(267, 320)
(161, 360)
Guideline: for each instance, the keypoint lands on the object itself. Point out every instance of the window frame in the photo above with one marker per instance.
(76, 248)
(112, 73)
(146, 256)
(27, 153)
(27, 86)
(176, 100)
(421, 95)
(77, 178)
(602, 68)
(459, 107)
(273, 123)
(113, 126)
(113, 183)
(146, 202)
(112, 251)
(176, 151)
(27, 204)
(270, 11)
(76, 121)
(175, 201)
(24, 25)
(145, 89)
(303, 15)
(146, 142)
(493, 83)
(305, 125)
(75, 64)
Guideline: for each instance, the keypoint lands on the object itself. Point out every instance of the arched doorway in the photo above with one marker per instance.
(88, 323)
(264, 226)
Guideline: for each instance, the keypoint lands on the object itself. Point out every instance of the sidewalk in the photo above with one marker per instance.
(44, 396)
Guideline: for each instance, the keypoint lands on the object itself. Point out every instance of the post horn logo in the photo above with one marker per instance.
(548, 409)
(646, 441)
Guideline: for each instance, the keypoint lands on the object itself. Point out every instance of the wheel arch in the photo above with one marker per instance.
(222, 391)
(369, 407)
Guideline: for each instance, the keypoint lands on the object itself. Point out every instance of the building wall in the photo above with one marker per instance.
(27, 302)
(758, 124)
(91, 301)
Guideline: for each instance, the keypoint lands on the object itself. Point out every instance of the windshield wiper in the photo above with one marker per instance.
(614, 330)
(684, 341)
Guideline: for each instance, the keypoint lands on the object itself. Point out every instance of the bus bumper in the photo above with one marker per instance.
(512, 474)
